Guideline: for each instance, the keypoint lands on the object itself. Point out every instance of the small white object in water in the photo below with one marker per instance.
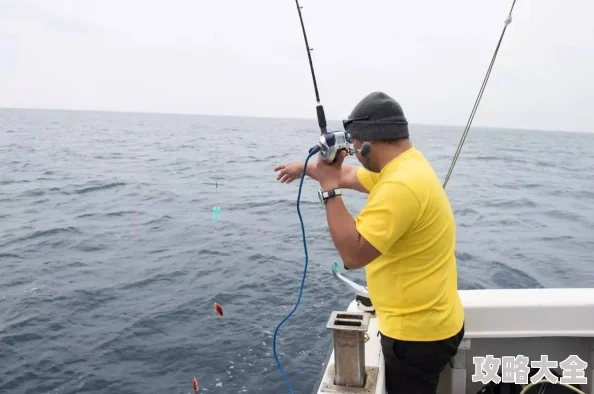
(220, 384)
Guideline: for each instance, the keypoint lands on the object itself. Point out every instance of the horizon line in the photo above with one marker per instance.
(283, 118)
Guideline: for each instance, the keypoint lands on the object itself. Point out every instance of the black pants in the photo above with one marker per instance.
(414, 367)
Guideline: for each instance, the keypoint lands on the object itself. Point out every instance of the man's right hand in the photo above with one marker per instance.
(287, 173)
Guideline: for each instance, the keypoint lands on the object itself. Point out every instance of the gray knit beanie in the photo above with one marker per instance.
(377, 117)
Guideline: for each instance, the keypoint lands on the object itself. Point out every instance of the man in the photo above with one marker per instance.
(405, 237)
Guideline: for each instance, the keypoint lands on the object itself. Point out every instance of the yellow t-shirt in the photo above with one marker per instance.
(408, 218)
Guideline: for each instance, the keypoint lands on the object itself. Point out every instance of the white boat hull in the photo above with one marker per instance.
(530, 322)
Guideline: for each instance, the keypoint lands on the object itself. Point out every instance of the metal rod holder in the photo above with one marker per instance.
(349, 347)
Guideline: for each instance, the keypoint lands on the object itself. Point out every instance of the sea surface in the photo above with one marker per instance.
(111, 262)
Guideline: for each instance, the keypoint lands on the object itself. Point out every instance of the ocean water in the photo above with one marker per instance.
(111, 261)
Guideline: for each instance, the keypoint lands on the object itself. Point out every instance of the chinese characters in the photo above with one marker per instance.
(517, 370)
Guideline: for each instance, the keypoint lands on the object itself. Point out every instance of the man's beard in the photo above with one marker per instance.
(365, 163)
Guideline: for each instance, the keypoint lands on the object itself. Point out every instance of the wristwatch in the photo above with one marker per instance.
(324, 195)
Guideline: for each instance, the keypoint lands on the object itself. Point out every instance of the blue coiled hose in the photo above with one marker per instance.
(312, 152)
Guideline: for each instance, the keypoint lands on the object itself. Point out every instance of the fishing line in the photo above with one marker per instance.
(216, 210)
(480, 95)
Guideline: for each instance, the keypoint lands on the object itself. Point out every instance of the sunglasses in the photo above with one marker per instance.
(346, 123)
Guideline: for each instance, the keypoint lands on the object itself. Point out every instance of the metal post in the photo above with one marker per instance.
(349, 347)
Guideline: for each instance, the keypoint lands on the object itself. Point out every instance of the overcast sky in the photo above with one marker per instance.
(247, 57)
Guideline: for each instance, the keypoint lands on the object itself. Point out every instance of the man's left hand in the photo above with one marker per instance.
(329, 174)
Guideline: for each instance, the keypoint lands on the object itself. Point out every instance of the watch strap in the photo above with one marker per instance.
(327, 194)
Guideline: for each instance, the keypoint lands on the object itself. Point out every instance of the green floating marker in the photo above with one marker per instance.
(216, 214)
(335, 266)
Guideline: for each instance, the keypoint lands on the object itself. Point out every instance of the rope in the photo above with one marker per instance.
(478, 99)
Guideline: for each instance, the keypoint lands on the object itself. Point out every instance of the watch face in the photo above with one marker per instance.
(331, 193)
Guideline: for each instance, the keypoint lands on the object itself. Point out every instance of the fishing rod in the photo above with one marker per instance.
(328, 146)
(479, 97)
(330, 143)
(319, 108)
